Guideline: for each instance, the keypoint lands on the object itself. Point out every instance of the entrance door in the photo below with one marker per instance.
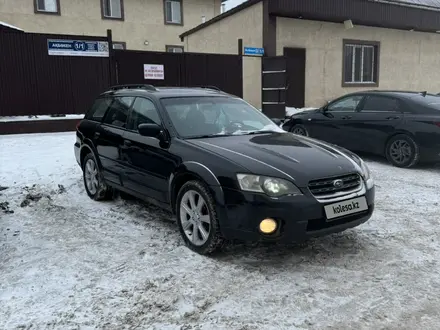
(296, 76)
(274, 86)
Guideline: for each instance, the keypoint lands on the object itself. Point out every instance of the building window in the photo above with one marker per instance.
(174, 49)
(119, 45)
(173, 12)
(112, 9)
(47, 7)
(361, 63)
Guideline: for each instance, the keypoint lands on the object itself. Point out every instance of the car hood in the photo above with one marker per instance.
(282, 155)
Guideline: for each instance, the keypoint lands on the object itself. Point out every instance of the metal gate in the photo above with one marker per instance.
(183, 69)
(274, 86)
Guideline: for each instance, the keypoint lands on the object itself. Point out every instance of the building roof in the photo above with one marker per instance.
(417, 14)
(426, 4)
(9, 27)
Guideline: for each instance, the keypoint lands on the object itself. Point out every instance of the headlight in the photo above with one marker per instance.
(365, 171)
(273, 187)
(367, 175)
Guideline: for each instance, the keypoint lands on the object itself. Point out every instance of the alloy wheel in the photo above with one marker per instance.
(299, 131)
(91, 176)
(195, 218)
(400, 151)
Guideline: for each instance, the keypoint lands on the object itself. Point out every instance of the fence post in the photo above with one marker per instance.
(112, 67)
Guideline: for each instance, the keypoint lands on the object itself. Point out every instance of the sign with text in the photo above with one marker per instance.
(253, 51)
(77, 48)
(154, 71)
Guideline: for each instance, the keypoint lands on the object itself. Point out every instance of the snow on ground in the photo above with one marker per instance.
(67, 262)
(39, 117)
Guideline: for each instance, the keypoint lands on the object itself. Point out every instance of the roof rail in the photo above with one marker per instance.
(212, 87)
(133, 86)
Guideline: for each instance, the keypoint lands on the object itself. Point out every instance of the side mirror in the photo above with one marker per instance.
(277, 121)
(150, 130)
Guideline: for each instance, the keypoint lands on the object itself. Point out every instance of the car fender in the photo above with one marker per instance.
(287, 126)
(203, 173)
(88, 144)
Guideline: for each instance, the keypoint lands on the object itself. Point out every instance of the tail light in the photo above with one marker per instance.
(437, 123)
(77, 124)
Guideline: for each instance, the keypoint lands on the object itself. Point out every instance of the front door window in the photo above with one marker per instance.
(347, 104)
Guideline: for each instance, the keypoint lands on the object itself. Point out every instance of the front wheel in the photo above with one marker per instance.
(197, 218)
(299, 129)
(402, 151)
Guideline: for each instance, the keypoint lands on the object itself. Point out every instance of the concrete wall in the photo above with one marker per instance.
(144, 20)
(222, 37)
(408, 60)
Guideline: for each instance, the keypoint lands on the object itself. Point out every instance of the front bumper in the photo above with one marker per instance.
(300, 217)
(76, 149)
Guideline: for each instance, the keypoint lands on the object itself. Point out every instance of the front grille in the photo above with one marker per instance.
(325, 187)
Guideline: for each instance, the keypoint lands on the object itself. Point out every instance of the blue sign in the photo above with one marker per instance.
(253, 51)
(77, 48)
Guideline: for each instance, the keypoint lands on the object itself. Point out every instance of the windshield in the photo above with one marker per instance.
(211, 116)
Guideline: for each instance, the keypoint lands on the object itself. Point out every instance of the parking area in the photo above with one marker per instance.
(69, 262)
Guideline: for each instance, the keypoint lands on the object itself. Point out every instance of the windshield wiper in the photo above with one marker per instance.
(260, 132)
(207, 136)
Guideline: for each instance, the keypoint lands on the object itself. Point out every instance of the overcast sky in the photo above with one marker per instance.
(232, 3)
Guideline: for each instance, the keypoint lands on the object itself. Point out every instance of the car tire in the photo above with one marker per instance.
(299, 129)
(402, 151)
(94, 183)
(198, 222)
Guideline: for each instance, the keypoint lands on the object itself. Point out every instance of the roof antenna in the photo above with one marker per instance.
(424, 93)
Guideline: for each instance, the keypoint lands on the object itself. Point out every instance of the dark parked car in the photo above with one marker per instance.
(221, 166)
(403, 126)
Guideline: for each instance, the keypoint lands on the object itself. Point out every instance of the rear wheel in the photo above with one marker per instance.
(402, 151)
(299, 129)
(94, 183)
(197, 218)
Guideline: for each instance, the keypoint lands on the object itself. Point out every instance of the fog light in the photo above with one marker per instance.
(268, 226)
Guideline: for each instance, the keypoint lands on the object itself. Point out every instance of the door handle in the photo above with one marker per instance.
(97, 135)
(393, 117)
(346, 117)
(127, 143)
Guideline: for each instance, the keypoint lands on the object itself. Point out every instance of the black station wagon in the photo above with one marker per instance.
(220, 165)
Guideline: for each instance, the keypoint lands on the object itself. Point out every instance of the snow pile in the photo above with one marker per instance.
(291, 111)
(68, 262)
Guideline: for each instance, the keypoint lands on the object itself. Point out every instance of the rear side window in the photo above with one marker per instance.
(98, 109)
(380, 103)
(430, 101)
(117, 113)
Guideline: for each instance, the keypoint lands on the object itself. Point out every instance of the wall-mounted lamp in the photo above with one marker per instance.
(146, 43)
(348, 24)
